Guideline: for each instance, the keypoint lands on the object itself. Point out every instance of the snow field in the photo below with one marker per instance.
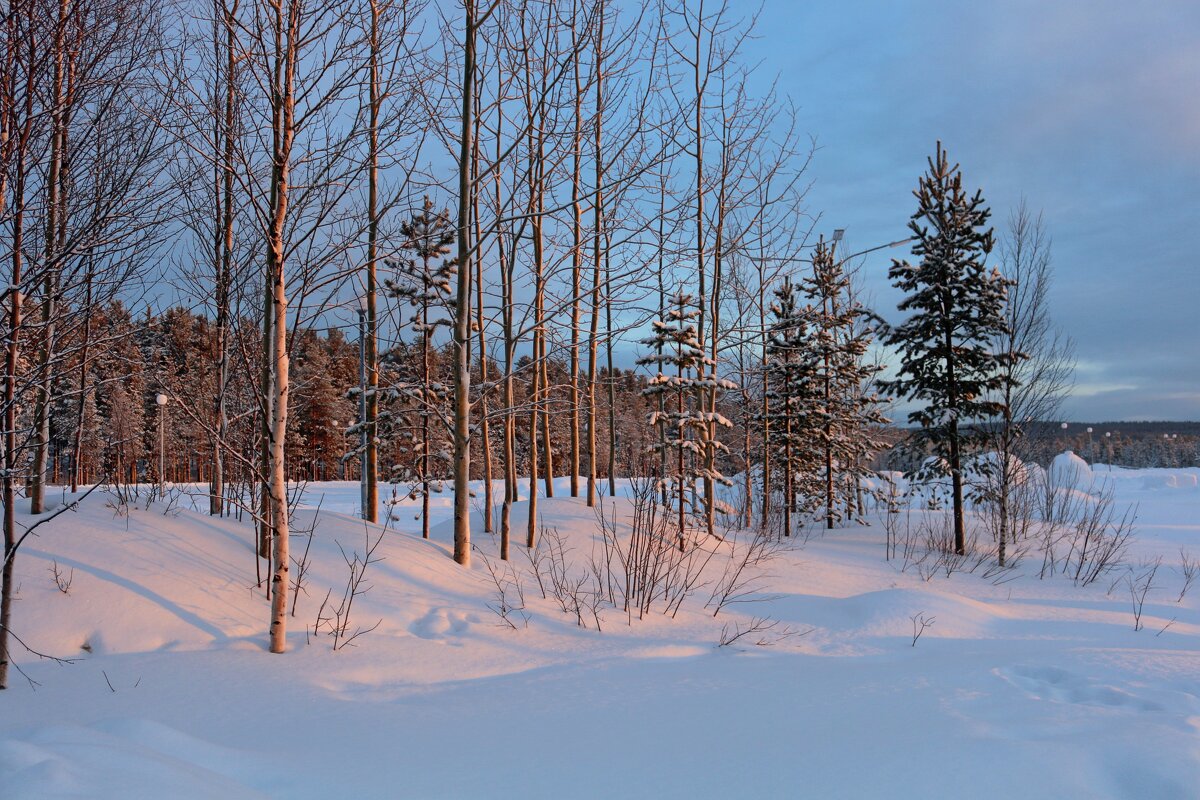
(1027, 687)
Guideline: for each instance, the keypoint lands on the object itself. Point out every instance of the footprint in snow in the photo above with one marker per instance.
(1060, 686)
(438, 623)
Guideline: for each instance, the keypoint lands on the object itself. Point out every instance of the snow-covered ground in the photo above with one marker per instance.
(1022, 687)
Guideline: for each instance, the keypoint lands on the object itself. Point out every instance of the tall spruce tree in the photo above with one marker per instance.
(947, 360)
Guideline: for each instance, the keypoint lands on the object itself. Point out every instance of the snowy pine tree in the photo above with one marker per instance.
(847, 410)
(423, 281)
(684, 426)
(792, 400)
(947, 362)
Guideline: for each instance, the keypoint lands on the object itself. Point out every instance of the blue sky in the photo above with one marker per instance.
(1089, 110)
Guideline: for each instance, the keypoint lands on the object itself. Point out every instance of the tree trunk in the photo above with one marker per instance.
(86, 336)
(286, 44)
(534, 394)
(462, 309)
(426, 400)
(485, 429)
(371, 456)
(612, 385)
(224, 271)
(42, 403)
(598, 221)
(576, 268)
(15, 142)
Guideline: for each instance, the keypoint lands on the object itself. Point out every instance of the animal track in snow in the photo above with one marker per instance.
(440, 622)
(1060, 686)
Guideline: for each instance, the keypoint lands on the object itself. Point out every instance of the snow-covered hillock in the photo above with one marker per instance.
(1069, 471)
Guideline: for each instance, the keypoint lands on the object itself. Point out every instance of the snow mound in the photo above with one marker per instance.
(124, 758)
(1169, 480)
(1035, 474)
(984, 468)
(1069, 471)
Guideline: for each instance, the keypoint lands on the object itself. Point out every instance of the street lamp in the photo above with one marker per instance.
(161, 400)
(838, 233)
(362, 402)
(337, 427)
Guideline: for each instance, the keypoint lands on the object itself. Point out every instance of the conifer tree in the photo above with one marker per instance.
(684, 424)
(846, 411)
(423, 281)
(946, 359)
(792, 399)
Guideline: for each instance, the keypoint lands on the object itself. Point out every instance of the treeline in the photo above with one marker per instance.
(1132, 445)
(115, 428)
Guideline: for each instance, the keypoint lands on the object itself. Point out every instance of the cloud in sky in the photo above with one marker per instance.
(1088, 110)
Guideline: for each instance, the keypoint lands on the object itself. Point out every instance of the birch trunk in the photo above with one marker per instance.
(597, 255)
(286, 35)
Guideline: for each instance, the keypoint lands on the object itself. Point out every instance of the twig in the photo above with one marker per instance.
(920, 623)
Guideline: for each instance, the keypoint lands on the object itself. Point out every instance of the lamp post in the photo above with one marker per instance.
(838, 233)
(337, 426)
(161, 400)
(362, 403)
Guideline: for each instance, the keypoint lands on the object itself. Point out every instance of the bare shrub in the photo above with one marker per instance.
(337, 621)
(1099, 539)
(743, 575)
(301, 564)
(509, 597)
(1140, 582)
(892, 503)
(1081, 534)
(1188, 568)
(577, 592)
(62, 581)
(1056, 504)
(920, 623)
(759, 631)
(655, 564)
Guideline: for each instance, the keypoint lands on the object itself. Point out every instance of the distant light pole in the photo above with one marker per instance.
(161, 400)
(337, 426)
(1091, 446)
(362, 403)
